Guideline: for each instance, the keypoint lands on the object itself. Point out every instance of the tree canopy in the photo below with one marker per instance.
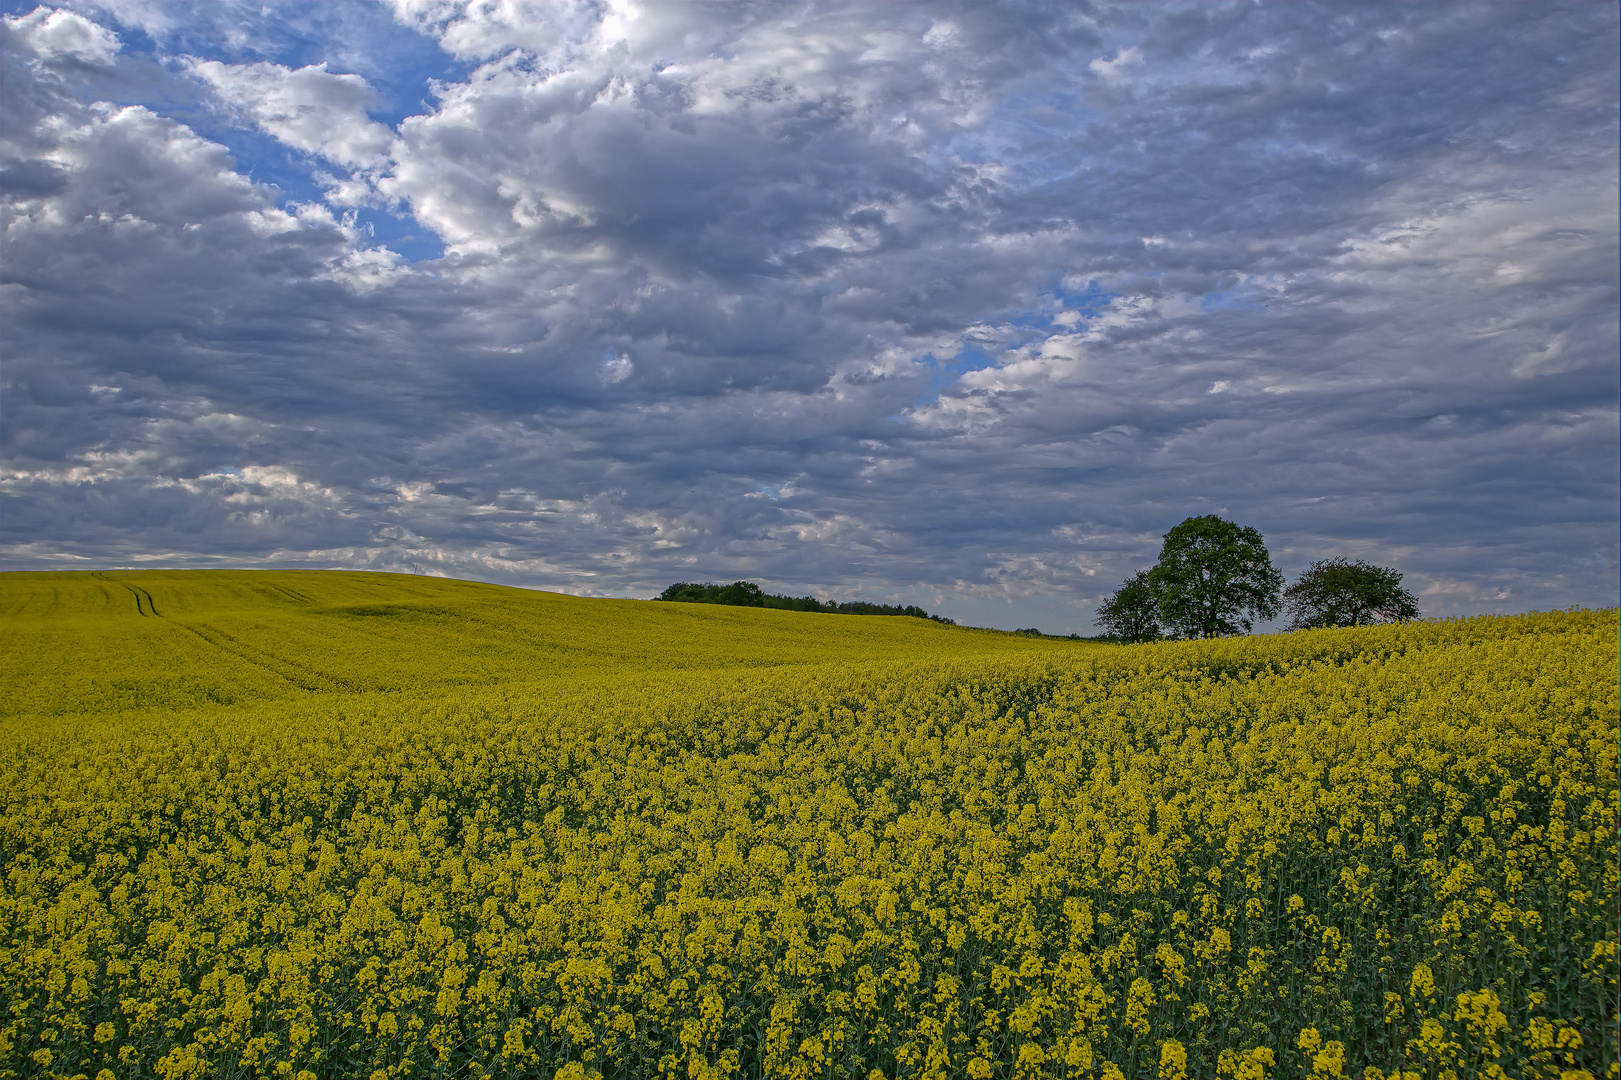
(1214, 578)
(737, 594)
(1132, 613)
(748, 594)
(1335, 592)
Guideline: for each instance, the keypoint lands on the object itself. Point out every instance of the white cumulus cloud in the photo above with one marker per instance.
(308, 108)
(52, 34)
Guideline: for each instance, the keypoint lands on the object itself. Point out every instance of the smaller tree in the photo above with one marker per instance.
(1132, 613)
(1334, 592)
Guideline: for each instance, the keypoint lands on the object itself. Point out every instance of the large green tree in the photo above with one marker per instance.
(1334, 592)
(1131, 614)
(1214, 578)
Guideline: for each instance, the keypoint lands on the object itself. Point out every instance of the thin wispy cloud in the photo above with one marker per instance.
(961, 305)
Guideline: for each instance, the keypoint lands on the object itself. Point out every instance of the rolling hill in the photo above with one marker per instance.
(326, 825)
(90, 641)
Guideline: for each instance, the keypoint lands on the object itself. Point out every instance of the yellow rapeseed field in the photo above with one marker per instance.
(305, 824)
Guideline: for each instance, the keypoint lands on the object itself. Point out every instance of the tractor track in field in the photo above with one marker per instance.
(299, 675)
(292, 594)
(143, 599)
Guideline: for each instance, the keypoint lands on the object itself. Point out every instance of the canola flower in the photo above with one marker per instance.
(1384, 852)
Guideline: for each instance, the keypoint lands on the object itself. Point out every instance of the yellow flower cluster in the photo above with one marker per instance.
(1386, 852)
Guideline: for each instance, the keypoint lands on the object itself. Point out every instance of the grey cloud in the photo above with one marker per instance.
(704, 268)
(30, 179)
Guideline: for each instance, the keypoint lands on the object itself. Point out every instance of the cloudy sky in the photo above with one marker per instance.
(962, 305)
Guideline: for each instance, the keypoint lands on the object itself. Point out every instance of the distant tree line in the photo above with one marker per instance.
(748, 594)
(1215, 578)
